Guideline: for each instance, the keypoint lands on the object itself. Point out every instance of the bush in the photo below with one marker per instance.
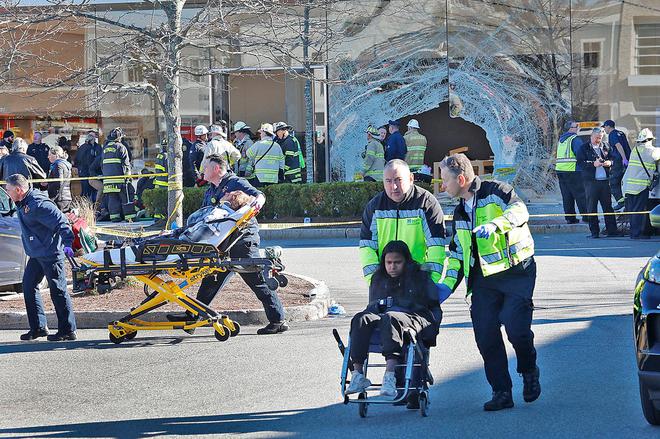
(338, 199)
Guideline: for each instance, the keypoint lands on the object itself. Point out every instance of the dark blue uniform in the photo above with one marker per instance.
(396, 147)
(618, 169)
(246, 247)
(40, 152)
(45, 233)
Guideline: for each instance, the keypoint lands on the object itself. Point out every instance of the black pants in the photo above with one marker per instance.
(598, 191)
(244, 248)
(616, 177)
(391, 325)
(504, 299)
(572, 193)
(639, 224)
(117, 197)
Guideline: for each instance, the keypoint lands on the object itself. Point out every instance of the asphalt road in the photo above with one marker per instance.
(172, 384)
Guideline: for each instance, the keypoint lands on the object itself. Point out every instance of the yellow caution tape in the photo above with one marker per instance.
(100, 177)
(124, 233)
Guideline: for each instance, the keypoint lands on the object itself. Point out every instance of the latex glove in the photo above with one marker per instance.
(485, 230)
(625, 162)
(260, 201)
(68, 251)
(443, 292)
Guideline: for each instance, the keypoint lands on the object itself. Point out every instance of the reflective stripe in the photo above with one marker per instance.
(521, 245)
(456, 255)
(492, 198)
(452, 273)
(489, 259)
(462, 225)
(565, 156)
(369, 269)
(432, 266)
(369, 243)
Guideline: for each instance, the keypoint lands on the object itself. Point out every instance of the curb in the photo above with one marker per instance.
(354, 232)
(316, 309)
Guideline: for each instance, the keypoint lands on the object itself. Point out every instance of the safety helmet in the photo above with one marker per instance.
(373, 131)
(267, 128)
(163, 142)
(200, 130)
(217, 129)
(413, 124)
(281, 126)
(645, 135)
(116, 134)
(238, 126)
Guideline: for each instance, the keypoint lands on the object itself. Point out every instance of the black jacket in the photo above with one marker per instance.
(19, 163)
(60, 191)
(585, 157)
(40, 152)
(85, 157)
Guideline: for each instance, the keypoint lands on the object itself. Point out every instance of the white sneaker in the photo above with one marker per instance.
(388, 389)
(359, 383)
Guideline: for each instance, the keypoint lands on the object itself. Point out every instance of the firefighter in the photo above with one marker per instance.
(196, 156)
(416, 145)
(294, 162)
(115, 163)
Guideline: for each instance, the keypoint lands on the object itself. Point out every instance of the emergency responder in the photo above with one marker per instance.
(222, 181)
(374, 160)
(59, 191)
(570, 180)
(416, 146)
(637, 181)
(160, 166)
(197, 152)
(243, 142)
(187, 170)
(265, 161)
(492, 248)
(47, 238)
(87, 153)
(396, 145)
(620, 153)
(7, 139)
(294, 162)
(18, 162)
(115, 163)
(406, 212)
(219, 145)
(594, 161)
(39, 151)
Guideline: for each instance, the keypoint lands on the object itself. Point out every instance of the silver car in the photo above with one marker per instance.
(13, 258)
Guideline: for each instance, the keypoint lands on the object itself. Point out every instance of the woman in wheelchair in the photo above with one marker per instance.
(401, 296)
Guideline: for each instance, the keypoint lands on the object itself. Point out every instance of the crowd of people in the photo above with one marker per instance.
(591, 172)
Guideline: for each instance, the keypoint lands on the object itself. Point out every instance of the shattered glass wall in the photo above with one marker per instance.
(508, 73)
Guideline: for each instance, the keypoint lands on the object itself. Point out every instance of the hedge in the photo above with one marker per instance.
(337, 199)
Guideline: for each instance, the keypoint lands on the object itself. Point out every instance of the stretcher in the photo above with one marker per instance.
(185, 263)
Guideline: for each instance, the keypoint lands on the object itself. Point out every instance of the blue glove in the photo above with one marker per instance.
(485, 230)
(68, 251)
(443, 292)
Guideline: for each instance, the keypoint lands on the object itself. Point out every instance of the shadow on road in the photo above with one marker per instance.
(589, 384)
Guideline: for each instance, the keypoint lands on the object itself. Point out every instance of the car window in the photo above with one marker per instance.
(6, 204)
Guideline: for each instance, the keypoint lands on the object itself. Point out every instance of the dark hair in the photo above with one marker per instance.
(18, 180)
(399, 247)
(219, 160)
(458, 164)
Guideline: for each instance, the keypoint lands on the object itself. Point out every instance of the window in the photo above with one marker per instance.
(647, 49)
(135, 74)
(591, 54)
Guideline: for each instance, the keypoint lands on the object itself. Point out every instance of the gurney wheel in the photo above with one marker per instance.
(423, 404)
(272, 283)
(130, 335)
(115, 339)
(237, 329)
(362, 406)
(282, 280)
(225, 333)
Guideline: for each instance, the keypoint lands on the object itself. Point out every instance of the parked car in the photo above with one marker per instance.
(646, 316)
(13, 258)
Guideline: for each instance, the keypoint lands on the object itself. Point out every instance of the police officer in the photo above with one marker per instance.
(620, 152)
(115, 163)
(39, 151)
(222, 181)
(161, 166)
(87, 153)
(7, 139)
(293, 158)
(188, 171)
(196, 156)
(570, 180)
(47, 238)
(493, 249)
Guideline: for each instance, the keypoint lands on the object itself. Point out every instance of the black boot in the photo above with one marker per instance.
(501, 400)
(33, 335)
(273, 328)
(531, 385)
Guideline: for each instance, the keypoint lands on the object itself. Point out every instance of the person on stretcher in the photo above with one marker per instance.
(202, 226)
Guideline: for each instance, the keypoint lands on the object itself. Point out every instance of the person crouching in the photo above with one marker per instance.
(401, 296)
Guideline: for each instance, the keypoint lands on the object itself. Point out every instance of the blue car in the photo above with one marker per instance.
(13, 258)
(646, 315)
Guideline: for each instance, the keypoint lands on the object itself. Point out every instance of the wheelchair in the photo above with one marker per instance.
(413, 374)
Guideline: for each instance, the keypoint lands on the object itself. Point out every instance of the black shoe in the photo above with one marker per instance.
(59, 336)
(32, 335)
(614, 234)
(413, 400)
(594, 236)
(273, 328)
(531, 385)
(572, 221)
(501, 400)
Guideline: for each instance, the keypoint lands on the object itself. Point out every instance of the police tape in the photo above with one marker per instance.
(100, 177)
(124, 233)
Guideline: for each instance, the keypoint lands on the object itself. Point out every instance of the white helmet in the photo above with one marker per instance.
(240, 126)
(645, 135)
(413, 124)
(217, 129)
(200, 130)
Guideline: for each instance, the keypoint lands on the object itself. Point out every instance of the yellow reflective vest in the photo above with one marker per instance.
(416, 144)
(565, 156)
(374, 160)
(635, 180)
(265, 160)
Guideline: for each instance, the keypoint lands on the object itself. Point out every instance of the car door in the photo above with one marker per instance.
(12, 262)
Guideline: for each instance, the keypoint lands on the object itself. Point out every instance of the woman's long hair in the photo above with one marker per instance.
(399, 247)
